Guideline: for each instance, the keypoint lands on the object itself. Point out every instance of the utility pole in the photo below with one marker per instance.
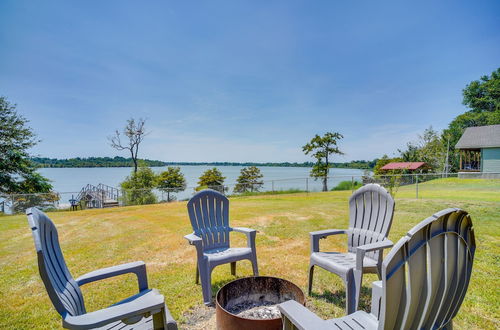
(446, 162)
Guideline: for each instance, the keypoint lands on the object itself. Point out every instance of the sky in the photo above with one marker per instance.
(242, 80)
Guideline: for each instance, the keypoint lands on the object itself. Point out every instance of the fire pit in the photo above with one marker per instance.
(251, 303)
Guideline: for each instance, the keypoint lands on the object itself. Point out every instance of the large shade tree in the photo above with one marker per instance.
(482, 97)
(322, 148)
(17, 172)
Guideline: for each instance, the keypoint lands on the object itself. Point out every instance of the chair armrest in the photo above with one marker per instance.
(138, 268)
(361, 250)
(317, 235)
(196, 240)
(143, 306)
(299, 316)
(376, 298)
(251, 233)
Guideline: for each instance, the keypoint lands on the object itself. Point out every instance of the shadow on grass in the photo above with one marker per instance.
(339, 298)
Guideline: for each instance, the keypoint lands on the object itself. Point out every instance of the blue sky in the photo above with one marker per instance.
(242, 80)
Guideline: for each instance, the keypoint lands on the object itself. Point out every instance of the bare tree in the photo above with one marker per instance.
(135, 132)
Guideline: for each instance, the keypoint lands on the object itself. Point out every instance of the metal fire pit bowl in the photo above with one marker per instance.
(253, 289)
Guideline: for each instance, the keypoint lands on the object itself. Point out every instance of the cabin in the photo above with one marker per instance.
(479, 149)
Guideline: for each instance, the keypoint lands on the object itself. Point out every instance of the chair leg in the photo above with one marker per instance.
(353, 289)
(197, 278)
(379, 271)
(254, 266)
(311, 275)
(206, 284)
(159, 320)
(233, 268)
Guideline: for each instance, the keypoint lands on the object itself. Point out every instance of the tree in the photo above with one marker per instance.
(138, 187)
(171, 181)
(249, 180)
(482, 97)
(135, 132)
(321, 148)
(430, 148)
(17, 172)
(213, 179)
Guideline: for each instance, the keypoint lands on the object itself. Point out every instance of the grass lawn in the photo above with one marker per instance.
(93, 239)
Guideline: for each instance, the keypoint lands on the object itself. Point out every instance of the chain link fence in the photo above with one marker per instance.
(404, 185)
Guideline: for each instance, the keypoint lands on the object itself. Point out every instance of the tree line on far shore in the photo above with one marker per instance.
(118, 161)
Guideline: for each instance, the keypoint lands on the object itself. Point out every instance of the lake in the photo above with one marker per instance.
(70, 180)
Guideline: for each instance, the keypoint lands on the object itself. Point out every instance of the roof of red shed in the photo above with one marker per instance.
(403, 166)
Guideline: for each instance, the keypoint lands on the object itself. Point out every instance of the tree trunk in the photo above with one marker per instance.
(325, 179)
(168, 196)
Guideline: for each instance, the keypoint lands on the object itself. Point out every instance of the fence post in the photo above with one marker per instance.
(272, 185)
(416, 186)
(352, 185)
(307, 184)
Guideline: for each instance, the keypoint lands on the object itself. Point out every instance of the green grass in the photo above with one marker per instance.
(93, 239)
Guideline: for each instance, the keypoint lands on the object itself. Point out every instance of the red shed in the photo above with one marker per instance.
(411, 166)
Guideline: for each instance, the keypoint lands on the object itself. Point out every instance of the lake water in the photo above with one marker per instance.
(70, 180)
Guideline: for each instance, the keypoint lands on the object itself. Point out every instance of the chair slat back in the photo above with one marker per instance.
(63, 291)
(209, 214)
(371, 209)
(426, 274)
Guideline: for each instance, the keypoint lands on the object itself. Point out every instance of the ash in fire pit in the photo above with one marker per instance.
(256, 310)
(251, 302)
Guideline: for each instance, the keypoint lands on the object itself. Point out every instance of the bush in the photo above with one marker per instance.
(348, 185)
(138, 187)
(212, 179)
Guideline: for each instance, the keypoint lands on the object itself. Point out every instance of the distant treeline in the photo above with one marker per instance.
(127, 162)
(93, 162)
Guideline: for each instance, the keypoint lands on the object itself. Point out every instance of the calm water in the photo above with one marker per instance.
(71, 180)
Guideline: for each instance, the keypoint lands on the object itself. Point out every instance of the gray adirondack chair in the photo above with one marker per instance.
(145, 310)
(424, 280)
(371, 209)
(209, 214)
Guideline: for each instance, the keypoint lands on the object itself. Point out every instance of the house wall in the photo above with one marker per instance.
(490, 160)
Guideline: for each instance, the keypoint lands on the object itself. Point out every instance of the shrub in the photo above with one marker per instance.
(348, 185)
(138, 187)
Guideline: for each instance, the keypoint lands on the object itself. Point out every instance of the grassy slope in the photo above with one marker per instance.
(99, 238)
